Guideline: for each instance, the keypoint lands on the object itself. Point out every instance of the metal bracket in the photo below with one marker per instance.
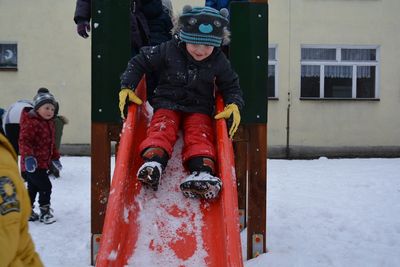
(96, 238)
(258, 244)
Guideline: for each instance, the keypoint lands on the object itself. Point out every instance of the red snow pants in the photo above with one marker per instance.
(198, 133)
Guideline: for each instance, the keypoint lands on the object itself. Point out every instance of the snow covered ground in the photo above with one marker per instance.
(342, 212)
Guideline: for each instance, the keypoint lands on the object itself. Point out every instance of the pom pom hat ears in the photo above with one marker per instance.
(186, 9)
(203, 25)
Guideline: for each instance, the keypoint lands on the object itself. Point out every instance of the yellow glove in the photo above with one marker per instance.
(132, 97)
(228, 111)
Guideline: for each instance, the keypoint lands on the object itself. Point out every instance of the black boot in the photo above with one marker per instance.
(201, 183)
(34, 216)
(155, 161)
(46, 214)
(150, 174)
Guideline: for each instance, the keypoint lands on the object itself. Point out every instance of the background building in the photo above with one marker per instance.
(337, 77)
(333, 69)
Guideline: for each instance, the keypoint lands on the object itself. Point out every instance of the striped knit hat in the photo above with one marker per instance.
(43, 97)
(203, 25)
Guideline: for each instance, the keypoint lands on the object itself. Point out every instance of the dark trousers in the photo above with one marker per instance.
(12, 133)
(39, 182)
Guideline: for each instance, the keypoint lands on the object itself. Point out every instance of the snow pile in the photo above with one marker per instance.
(67, 241)
(321, 213)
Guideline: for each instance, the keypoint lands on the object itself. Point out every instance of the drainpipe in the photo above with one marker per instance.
(288, 127)
(290, 82)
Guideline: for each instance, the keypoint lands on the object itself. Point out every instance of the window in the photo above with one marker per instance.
(272, 84)
(339, 72)
(8, 56)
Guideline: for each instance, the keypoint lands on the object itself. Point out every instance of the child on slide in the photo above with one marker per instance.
(189, 65)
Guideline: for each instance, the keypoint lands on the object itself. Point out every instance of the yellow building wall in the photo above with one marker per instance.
(335, 123)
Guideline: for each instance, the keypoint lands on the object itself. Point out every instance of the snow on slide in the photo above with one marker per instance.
(170, 225)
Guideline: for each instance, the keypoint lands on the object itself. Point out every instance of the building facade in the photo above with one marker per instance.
(334, 69)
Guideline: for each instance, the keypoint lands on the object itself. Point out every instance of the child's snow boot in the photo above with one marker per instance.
(150, 174)
(155, 161)
(46, 215)
(34, 216)
(201, 185)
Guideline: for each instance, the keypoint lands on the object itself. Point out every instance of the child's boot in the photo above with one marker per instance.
(201, 183)
(150, 172)
(34, 216)
(46, 215)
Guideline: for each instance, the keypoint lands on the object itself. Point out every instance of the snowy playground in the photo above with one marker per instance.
(325, 212)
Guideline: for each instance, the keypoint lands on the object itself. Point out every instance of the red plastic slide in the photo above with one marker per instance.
(163, 228)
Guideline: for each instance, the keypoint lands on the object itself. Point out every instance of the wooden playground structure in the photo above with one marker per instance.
(249, 21)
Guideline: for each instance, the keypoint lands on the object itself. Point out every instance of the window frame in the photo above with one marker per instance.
(275, 63)
(12, 67)
(338, 62)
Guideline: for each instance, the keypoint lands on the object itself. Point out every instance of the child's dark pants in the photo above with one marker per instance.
(39, 182)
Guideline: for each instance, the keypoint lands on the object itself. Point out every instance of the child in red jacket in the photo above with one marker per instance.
(38, 151)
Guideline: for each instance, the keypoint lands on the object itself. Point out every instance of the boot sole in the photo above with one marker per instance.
(199, 189)
(148, 184)
(146, 181)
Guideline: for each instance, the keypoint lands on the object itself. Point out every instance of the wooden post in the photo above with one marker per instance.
(241, 165)
(257, 186)
(100, 181)
(249, 21)
(111, 35)
(102, 135)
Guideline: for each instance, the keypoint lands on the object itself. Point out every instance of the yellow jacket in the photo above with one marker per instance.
(16, 246)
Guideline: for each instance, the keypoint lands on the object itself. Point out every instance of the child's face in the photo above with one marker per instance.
(46, 111)
(199, 52)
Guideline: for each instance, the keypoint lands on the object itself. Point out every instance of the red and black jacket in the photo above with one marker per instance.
(37, 139)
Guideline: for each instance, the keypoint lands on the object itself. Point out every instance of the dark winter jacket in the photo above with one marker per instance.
(185, 84)
(218, 4)
(37, 139)
(158, 20)
(82, 11)
(150, 23)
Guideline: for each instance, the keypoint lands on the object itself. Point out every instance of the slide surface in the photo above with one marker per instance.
(163, 228)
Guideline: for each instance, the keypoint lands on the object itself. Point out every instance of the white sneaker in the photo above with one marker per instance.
(201, 185)
(150, 174)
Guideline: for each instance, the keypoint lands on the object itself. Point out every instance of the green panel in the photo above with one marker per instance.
(110, 55)
(249, 56)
